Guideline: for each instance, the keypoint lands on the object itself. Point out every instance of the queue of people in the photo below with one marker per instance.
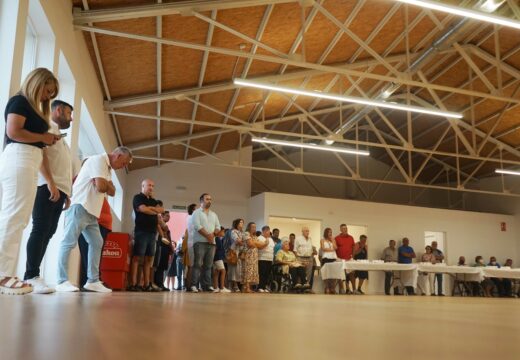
(36, 175)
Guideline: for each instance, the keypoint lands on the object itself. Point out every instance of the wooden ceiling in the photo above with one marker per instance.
(485, 59)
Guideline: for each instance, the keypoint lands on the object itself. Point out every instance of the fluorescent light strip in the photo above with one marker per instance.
(472, 14)
(508, 172)
(349, 99)
(311, 146)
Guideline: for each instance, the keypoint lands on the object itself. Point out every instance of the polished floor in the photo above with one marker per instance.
(256, 326)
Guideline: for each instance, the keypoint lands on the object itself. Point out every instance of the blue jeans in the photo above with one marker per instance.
(180, 270)
(204, 254)
(79, 221)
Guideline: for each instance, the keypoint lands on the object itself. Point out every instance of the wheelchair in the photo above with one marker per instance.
(282, 283)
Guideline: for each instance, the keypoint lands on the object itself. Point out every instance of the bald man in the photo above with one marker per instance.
(146, 209)
(304, 251)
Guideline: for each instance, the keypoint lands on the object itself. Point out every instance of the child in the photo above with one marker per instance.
(219, 271)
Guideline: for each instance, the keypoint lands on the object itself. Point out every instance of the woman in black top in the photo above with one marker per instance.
(26, 134)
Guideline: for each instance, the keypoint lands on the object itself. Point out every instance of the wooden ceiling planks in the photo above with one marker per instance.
(181, 68)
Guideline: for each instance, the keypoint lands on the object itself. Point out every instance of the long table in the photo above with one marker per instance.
(336, 270)
(408, 273)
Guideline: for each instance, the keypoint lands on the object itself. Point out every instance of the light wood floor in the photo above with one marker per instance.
(256, 326)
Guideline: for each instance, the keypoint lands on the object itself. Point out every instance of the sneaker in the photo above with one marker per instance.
(225, 290)
(97, 287)
(298, 286)
(266, 291)
(261, 290)
(66, 287)
(194, 289)
(307, 286)
(211, 288)
(359, 292)
(39, 286)
(10, 285)
(133, 288)
(237, 290)
(215, 290)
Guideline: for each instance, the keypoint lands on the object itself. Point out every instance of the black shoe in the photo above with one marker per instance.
(387, 293)
(441, 294)
(164, 288)
(133, 288)
(434, 295)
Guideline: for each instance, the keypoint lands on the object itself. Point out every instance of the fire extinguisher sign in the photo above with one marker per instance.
(503, 226)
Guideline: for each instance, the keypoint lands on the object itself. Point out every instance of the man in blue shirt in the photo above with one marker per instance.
(406, 254)
(499, 283)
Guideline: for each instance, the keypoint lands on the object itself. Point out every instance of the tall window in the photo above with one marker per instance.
(30, 49)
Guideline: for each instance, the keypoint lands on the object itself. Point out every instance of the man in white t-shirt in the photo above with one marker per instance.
(265, 258)
(90, 187)
(52, 196)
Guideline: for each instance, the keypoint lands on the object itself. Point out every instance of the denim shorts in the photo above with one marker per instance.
(144, 243)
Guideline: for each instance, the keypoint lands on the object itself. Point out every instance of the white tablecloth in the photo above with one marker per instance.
(336, 270)
(447, 269)
(504, 273)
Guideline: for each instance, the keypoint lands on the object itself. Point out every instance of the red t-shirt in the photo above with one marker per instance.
(105, 218)
(345, 245)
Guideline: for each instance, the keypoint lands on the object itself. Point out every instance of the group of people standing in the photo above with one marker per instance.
(36, 174)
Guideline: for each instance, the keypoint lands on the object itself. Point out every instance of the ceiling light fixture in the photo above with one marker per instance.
(508, 172)
(472, 14)
(311, 146)
(349, 99)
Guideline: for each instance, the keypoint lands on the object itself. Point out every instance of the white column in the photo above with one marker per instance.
(13, 22)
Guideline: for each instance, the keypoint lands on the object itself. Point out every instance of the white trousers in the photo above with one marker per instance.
(19, 166)
(426, 283)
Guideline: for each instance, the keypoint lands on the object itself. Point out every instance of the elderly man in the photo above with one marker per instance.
(304, 251)
(405, 256)
(390, 255)
(90, 187)
(439, 257)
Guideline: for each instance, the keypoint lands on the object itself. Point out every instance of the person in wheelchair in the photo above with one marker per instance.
(286, 259)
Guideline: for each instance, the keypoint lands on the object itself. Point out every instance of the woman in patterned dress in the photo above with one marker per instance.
(250, 258)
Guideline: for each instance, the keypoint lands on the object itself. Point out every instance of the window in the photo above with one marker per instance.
(30, 49)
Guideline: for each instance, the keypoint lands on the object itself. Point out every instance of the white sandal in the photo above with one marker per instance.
(11, 285)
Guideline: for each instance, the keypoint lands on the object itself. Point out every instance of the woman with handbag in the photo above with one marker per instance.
(250, 261)
(234, 263)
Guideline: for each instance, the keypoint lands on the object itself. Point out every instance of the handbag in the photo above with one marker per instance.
(231, 257)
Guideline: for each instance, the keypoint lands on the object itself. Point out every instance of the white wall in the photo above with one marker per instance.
(229, 187)
(327, 163)
(467, 233)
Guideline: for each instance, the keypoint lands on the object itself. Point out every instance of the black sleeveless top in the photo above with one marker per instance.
(362, 255)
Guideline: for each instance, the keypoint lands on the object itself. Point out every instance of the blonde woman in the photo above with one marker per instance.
(250, 260)
(26, 129)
